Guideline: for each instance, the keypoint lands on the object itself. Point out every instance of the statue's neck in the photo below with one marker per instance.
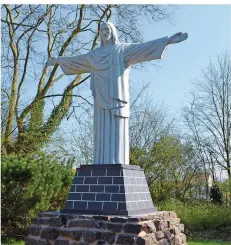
(107, 44)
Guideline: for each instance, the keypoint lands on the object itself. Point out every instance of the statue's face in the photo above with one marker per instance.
(105, 32)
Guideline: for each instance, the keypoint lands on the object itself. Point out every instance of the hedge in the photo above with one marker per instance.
(31, 184)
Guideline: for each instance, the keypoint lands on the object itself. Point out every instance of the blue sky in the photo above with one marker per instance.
(209, 30)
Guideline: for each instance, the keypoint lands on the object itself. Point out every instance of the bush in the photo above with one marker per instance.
(31, 184)
(198, 215)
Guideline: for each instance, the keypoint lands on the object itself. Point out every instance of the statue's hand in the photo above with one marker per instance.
(177, 38)
(52, 62)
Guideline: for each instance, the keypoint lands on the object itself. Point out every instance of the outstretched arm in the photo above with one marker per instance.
(152, 50)
(177, 38)
(71, 65)
(137, 53)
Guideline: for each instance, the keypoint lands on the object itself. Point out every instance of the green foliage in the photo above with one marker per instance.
(169, 167)
(31, 184)
(198, 215)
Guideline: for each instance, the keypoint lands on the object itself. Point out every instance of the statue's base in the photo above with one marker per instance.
(162, 228)
(109, 189)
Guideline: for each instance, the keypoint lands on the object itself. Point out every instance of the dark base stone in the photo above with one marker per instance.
(109, 189)
(162, 228)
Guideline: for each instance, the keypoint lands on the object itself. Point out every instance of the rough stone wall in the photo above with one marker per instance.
(50, 228)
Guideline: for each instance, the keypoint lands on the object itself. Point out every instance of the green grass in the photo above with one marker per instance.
(208, 242)
(11, 241)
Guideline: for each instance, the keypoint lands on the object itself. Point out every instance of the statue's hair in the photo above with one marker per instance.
(114, 37)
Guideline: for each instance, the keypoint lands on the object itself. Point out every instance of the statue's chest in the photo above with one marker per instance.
(100, 61)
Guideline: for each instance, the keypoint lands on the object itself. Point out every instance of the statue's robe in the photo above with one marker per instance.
(109, 70)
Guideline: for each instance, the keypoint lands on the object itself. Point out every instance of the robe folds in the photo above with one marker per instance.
(109, 69)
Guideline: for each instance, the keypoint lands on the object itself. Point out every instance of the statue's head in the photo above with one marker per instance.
(108, 31)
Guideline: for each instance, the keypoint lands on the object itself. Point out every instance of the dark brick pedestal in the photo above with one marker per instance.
(112, 189)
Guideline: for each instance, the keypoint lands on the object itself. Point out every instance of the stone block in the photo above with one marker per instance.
(42, 242)
(30, 241)
(97, 188)
(172, 214)
(163, 242)
(80, 243)
(110, 207)
(118, 180)
(57, 222)
(159, 235)
(147, 240)
(112, 189)
(121, 189)
(69, 205)
(81, 223)
(103, 197)
(74, 196)
(100, 225)
(90, 180)
(108, 237)
(100, 242)
(173, 221)
(80, 205)
(149, 227)
(91, 236)
(49, 233)
(122, 206)
(160, 225)
(181, 226)
(41, 221)
(125, 239)
(134, 219)
(114, 172)
(166, 215)
(100, 217)
(105, 180)
(78, 180)
(84, 172)
(176, 230)
(34, 230)
(61, 242)
(119, 219)
(167, 234)
(88, 197)
(132, 228)
(73, 234)
(99, 172)
(118, 197)
(82, 188)
(179, 239)
(114, 227)
(66, 217)
(95, 206)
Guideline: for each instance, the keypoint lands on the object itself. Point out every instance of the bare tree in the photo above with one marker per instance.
(33, 33)
(208, 114)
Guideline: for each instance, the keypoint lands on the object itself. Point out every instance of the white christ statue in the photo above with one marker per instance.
(109, 68)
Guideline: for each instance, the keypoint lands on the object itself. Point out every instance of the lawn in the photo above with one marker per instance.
(208, 242)
(11, 241)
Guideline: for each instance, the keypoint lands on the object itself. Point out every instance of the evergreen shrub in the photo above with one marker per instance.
(31, 184)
